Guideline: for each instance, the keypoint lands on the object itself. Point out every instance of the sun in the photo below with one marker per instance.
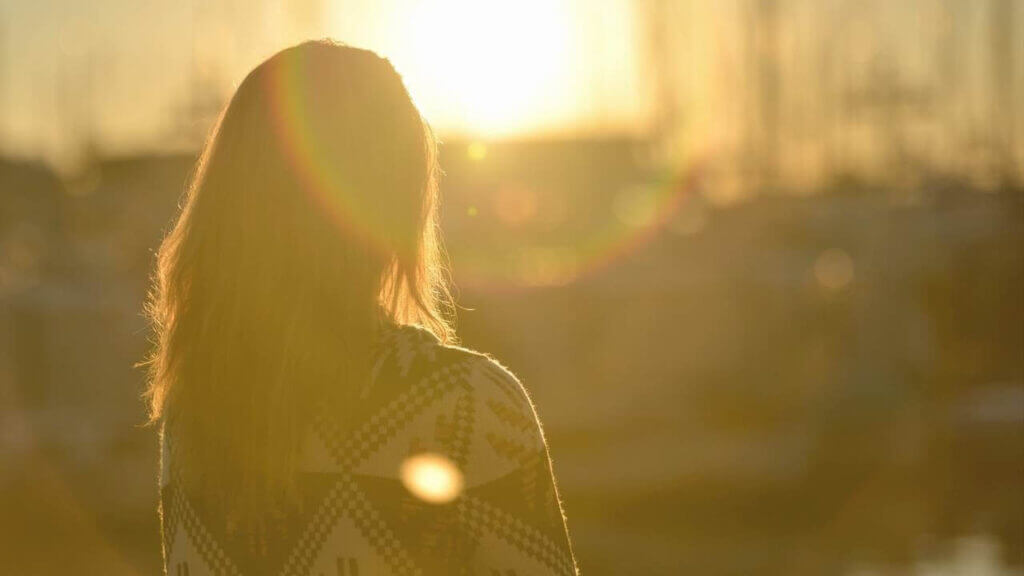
(485, 68)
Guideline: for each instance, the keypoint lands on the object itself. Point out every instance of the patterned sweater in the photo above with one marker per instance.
(357, 515)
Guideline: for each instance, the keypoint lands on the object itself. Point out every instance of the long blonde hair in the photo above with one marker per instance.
(310, 221)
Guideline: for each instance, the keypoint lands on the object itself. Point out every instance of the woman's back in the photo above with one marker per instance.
(486, 503)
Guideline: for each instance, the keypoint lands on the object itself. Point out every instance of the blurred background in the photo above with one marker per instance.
(760, 262)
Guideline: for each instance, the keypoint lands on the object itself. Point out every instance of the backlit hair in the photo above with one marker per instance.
(311, 221)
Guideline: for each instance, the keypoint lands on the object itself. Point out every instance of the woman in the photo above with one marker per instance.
(316, 417)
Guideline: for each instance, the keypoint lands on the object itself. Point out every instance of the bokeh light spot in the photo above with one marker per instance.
(515, 205)
(833, 269)
(431, 478)
(476, 151)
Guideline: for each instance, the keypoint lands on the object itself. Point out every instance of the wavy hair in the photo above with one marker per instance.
(310, 221)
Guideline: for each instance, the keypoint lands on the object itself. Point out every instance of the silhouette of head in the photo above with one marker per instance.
(310, 220)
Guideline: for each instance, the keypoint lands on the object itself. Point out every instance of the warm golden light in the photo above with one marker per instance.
(476, 151)
(489, 68)
(515, 205)
(431, 478)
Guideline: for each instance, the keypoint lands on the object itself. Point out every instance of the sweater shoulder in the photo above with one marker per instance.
(449, 401)
(418, 355)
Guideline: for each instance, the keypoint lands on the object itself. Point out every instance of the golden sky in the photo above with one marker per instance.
(122, 71)
(126, 73)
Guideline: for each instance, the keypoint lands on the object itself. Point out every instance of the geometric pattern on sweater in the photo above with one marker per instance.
(356, 518)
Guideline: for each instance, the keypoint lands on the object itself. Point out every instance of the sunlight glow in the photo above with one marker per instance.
(431, 478)
(495, 68)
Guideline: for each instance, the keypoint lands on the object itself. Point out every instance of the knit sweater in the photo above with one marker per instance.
(358, 514)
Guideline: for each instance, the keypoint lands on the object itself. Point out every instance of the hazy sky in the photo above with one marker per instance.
(123, 70)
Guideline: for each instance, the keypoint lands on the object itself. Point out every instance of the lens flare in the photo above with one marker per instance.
(431, 478)
(556, 250)
(293, 123)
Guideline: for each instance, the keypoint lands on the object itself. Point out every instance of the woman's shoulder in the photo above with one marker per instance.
(416, 355)
(429, 397)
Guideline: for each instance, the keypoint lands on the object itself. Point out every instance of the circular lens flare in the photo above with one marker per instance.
(431, 478)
